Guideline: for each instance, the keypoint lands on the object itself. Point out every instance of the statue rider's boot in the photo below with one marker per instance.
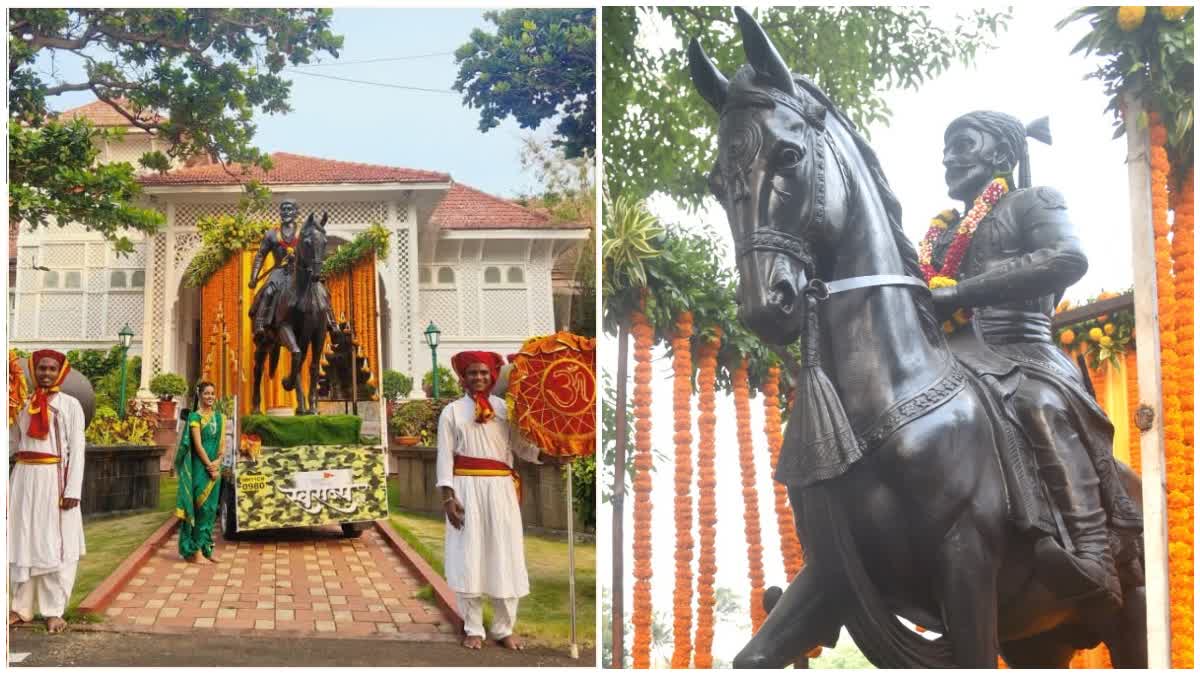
(1088, 573)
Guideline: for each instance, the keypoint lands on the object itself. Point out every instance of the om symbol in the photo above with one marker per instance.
(568, 386)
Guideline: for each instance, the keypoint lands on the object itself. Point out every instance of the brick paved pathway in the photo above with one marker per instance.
(308, 582)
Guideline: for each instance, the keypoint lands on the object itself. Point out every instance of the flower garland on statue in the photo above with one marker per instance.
(948, 274)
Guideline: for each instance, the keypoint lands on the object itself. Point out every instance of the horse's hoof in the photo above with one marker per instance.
(288, 384)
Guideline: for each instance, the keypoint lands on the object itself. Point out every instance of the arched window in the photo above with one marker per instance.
(72, 279)
(138, 280)
(424, 276)
(491, 275)
(49, 279)
(516, 275)
(445, 275)
(116, 279)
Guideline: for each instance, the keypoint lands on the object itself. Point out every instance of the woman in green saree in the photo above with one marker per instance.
(198, 465)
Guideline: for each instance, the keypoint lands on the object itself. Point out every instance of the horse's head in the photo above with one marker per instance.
(775, 176)
(312, 245)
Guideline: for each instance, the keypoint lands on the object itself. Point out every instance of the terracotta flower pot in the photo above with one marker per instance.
(407, 440)
(166, 408)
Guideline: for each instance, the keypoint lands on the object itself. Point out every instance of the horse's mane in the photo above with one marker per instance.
(891, 205)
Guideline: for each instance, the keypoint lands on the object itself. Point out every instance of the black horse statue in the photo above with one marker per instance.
(301, 318)
(913, 518)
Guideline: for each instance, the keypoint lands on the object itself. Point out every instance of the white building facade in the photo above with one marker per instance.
(476, 265)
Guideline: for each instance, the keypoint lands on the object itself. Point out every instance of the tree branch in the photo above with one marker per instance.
(148, 127)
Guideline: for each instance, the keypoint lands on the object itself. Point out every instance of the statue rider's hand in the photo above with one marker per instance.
(253, 283)
(945, 301)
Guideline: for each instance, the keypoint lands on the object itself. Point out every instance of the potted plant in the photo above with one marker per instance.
(447, 384)
(396, 385)
(166, 386)
(410, 418)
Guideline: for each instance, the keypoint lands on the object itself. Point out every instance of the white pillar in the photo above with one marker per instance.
(1149, 375)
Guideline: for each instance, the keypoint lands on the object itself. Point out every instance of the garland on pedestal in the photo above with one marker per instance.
(643, 462)
(682, 363)
(707, 423)
(754, 549)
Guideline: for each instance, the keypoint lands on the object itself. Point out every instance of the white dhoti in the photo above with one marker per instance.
(486, 556)
(45, 541)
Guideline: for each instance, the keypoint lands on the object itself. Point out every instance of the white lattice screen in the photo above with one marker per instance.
(541, 313)
(340, 213)
(441, 307)
(186, 243)
(507, 312)
(96, 317)
(504, 250)
(401, 316)
(129, 150)
(60, 316)
(124, 308)
(25, 325)
(157, 318)
(96, 254)
(468, 286)
(63, 255)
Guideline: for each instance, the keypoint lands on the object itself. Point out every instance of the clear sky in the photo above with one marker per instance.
(1029, 75)
(382, 125)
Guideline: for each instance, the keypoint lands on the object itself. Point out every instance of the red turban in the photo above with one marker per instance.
(493, 361)
(39, 409)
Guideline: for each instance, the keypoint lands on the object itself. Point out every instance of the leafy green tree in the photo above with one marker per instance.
(538, 64)
(658, 132)
(208, 69)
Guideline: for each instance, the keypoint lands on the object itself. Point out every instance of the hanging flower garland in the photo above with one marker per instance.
(681, 345)
(754, 549)
(1135, 437)
(948, 274)
(643, 462)
(707, 423)
(1183, 253)
(793, 558)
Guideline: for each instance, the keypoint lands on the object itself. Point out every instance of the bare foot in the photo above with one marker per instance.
(212, 557)
(15, 619)
(511, 642)
(473, 642)
(55, 624)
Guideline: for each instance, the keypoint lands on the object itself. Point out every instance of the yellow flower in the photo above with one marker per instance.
(1096, 333)
(942, 282)
(1067, 336)
(1105, 341)
(1109, 329)
(948, 327)
(1129, 17)
(1174, 13)
(960, 317)
(1062, 306)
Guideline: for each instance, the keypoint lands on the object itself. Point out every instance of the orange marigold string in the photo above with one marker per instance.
(705, 594)
(793, 558)
(643, 462)
(1132, 393)
(754, 549)
(681, 346)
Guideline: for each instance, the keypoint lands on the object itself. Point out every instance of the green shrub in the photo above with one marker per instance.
(447, 383)
(396, 385)
(108, 386)
(168, 385)
(136, 429)
(95, 363)
(410, 418)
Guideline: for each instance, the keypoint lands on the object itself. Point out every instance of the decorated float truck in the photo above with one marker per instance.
(299, 471)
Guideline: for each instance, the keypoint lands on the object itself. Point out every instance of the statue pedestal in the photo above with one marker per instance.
(281, 412)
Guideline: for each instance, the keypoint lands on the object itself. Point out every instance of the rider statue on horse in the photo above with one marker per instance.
(1023, 255)
(292, 309)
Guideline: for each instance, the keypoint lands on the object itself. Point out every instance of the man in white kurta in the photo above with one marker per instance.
(45, 527)
(485, 550)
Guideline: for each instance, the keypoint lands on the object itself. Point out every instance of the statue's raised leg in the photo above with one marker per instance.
(808, 615)
(260, 357)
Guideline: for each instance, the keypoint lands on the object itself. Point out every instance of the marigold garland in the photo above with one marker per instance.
(707, 423)
(681, 345)
(643, 462)
(1177, 455)
(793, 557)
(754, 549)
(1135, 437)
(947, 275)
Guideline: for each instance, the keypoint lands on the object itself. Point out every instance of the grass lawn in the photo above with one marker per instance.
(110, 539)
(544, 614)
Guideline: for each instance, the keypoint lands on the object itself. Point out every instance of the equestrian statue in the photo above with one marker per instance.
(944, 460)
(292, 309)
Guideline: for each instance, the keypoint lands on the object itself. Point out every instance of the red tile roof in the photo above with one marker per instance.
(292, 169)
(102, 114)
(465, 208)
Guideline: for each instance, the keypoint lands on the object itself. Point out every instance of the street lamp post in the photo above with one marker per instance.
(126, 338)
(431, 338)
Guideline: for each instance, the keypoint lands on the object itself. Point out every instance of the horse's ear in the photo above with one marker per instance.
(324, 219)
(709, 81)
(762, 55)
